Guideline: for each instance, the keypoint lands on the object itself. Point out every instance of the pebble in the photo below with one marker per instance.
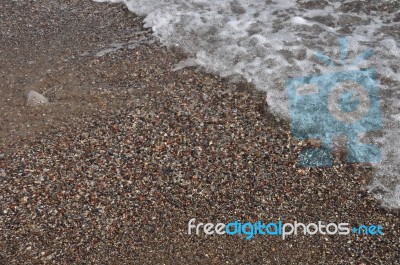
(34, 99)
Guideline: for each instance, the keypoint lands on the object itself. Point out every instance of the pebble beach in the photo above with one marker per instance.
(127, 150)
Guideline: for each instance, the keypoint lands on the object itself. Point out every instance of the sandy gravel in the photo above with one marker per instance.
(128, 151)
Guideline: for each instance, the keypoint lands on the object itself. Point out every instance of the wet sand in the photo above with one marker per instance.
(128, 151)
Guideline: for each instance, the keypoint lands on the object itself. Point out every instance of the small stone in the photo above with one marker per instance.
(34, 99)
(24, 199)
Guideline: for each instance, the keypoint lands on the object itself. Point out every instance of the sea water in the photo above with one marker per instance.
(267, 42)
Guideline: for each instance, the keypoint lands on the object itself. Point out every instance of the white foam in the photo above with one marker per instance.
(268, 42)
(301, 21)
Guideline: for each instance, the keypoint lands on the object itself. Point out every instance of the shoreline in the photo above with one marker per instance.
(144, 149)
